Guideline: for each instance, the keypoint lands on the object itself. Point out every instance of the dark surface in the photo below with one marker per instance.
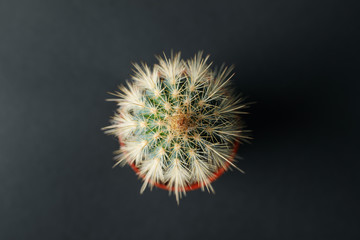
(298, 60)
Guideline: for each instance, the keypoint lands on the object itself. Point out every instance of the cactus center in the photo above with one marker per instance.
(181, 122)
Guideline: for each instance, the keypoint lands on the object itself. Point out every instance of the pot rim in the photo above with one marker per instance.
(195, 185)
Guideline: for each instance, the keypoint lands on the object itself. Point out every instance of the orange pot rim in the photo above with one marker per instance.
(195, 185)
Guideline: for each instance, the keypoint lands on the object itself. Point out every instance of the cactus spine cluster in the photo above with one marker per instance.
(178, 122)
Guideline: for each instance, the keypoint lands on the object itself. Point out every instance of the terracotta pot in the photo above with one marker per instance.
(193, 186)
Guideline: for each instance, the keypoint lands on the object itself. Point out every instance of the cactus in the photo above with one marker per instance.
(178, 123)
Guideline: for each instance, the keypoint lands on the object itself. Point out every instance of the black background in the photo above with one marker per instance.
(298, 60)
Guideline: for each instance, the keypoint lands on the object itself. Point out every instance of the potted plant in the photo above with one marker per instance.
(178, 123)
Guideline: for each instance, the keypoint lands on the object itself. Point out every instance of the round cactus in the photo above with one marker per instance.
(178, 123)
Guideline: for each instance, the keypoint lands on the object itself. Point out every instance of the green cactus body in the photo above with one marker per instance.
(178, 122)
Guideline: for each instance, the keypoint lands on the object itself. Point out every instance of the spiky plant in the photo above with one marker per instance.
(178, 123)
